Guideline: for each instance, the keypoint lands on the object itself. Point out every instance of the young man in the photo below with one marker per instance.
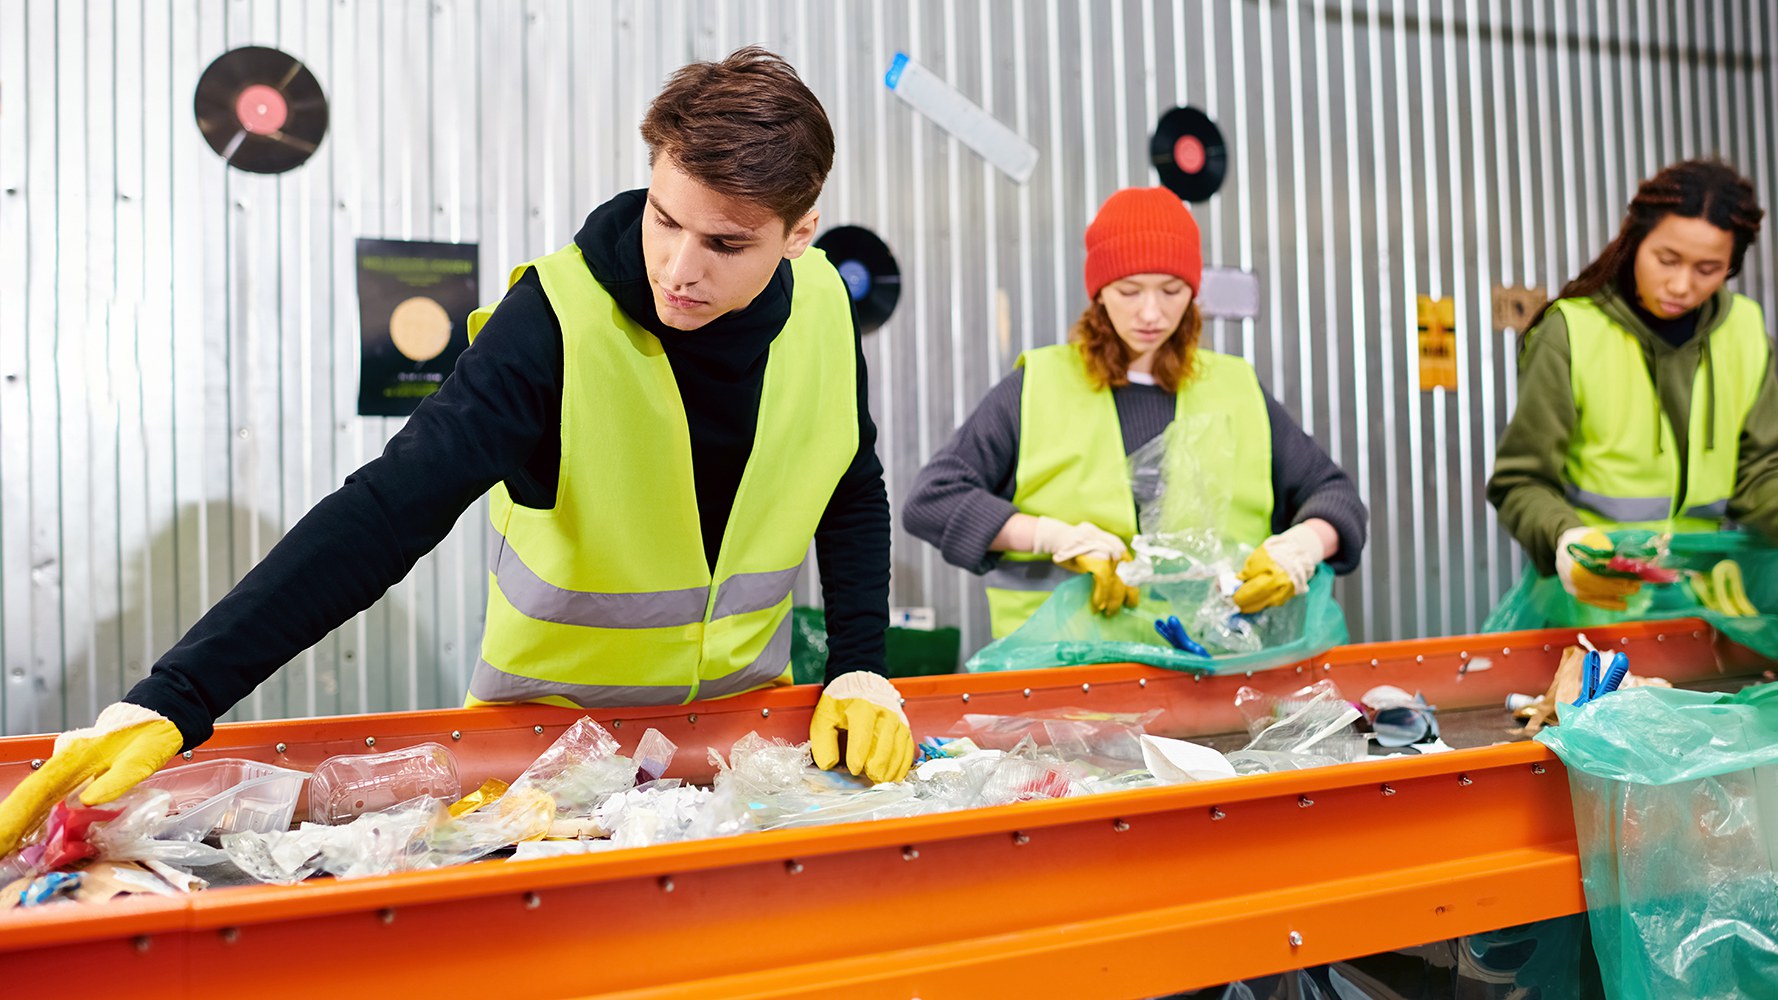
(666, 411)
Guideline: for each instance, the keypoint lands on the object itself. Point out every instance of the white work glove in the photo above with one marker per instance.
(1063, 541)
(1279, 569)
(879, 744)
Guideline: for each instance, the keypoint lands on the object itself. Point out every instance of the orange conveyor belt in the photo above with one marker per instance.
(1132, 893)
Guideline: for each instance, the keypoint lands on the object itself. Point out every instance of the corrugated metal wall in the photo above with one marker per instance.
(178, 340)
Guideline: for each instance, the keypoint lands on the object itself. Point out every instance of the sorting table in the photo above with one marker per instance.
(1138, 892)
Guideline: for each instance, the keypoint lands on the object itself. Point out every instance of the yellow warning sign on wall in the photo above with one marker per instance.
(1438, 343)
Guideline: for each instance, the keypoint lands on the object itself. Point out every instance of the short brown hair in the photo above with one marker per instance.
(746, 127)
(1108, 358)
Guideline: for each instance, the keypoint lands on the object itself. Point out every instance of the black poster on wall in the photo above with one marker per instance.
(414, 301)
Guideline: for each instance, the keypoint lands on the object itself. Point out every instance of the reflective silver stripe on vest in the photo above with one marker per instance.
(1040, 575)
(1621, 508)
(490, 683)
(1709, 511)
(745, 592)
(762, 671)
(536, 598)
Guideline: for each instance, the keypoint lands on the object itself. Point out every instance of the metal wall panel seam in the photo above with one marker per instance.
(1273, 316)
(1021, 49)
(1478, 301)
(1237, 50)
(1416, 527)
(1299, 184)
(1358, 264)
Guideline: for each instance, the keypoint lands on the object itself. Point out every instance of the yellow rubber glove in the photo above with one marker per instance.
(1110, 593)
(1610, 593)
(879, 744)
(124, 745)
(1279, 569)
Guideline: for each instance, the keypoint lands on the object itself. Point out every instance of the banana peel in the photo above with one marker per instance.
(1723, 590)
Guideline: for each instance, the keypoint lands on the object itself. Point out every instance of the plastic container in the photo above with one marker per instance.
(350, 785)
(229, 795)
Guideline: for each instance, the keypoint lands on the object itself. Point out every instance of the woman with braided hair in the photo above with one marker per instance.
(1647, 395)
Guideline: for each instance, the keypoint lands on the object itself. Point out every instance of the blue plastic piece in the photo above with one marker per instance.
(1174, 632)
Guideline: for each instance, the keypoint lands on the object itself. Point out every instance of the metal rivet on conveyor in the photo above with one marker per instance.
(1660, 637)
(1119, 826)
(141, 942)
(1695, 634)
(537, 729)
(1327, 668)
(230, 935)
(1304, 802)
(370, 741)
(1019, 838)
(36, 763)
(1464, 779)
(1419, 658)
(765, 713)
(1546, 647)
(1027, 692)
(909, 853)
(617, 723)
(186, 755)
(1299, 668)
(1196, 679)
(1463, 655)
(1373, 662)
(1216, 814)
(386, 914)
(1537, 769)
(666, 883)
(1142, 682)
(533, 901)
(1388, 790)
(1625, 641)
(456, 734)
(281, 747)
(1084, 688)
(693, 718)
(793, 867)
(966, 697)
(1296, 939)
(1506, 651)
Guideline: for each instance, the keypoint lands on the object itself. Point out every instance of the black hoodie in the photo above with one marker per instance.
(498, 418)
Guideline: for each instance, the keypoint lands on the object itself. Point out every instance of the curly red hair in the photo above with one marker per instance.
(1108, 357)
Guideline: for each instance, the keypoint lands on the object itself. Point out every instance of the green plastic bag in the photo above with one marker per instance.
(1540, 602)
(1676, 812)
(1065, 631)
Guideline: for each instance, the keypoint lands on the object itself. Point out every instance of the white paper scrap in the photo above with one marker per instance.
(1177, 761)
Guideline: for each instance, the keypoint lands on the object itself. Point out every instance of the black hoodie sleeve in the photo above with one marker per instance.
(852, 551)
(1307, 483)
(484, 424)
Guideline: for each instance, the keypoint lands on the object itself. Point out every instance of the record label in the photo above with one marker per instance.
(261, 110)
(872, 278)
(1188, 152)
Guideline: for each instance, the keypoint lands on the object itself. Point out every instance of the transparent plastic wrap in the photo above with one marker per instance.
(1676, 810)
(351, 785)
(654, 754)
(579, 770)
(138, 831)
(757, 767)
(1311, 727)
(1180, 510)
(1106, 739)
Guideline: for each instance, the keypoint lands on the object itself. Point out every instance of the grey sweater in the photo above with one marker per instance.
(964, 494)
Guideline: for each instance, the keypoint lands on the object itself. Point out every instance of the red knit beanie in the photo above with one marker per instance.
(1143, 231)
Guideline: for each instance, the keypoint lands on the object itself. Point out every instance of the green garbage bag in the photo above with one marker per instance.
(1065, 631)
(1540, 602)
(1676, 813)
(910, 652)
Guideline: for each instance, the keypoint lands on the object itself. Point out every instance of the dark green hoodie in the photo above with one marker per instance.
(1527, 486)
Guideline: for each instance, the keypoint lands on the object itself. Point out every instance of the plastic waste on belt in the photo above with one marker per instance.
(1676, 811)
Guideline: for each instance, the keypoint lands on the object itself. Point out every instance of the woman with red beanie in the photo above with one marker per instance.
(1034, 485)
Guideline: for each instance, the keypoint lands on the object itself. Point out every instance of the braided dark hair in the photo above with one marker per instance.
(1707, 189)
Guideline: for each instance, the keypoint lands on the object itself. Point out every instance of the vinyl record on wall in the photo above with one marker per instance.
(260, 109)
(1188, 152)
(872, 277)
